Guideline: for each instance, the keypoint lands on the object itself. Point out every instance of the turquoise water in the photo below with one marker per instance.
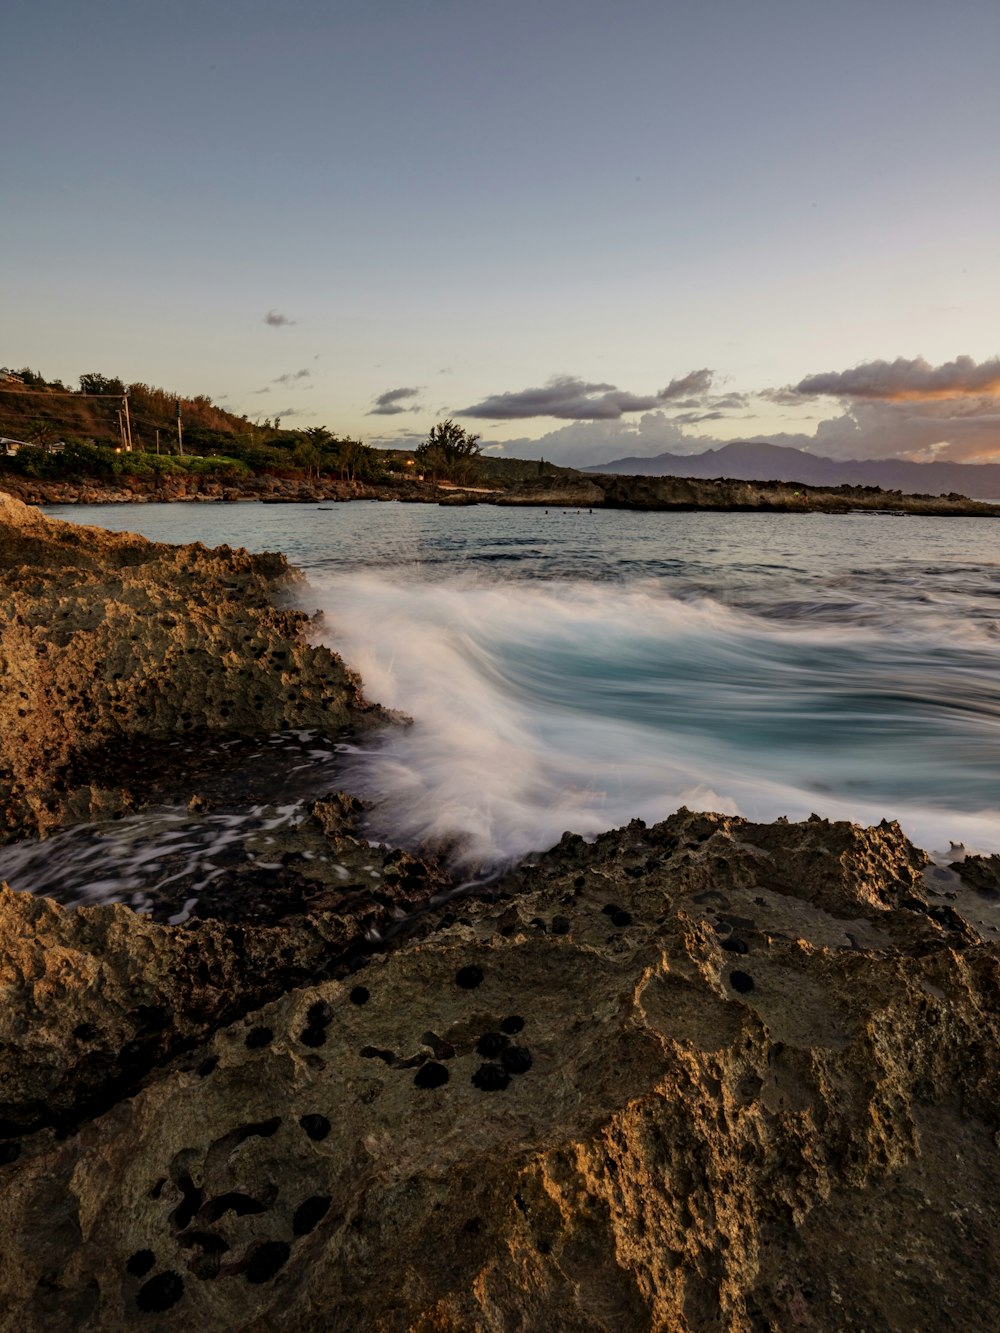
(572, 670)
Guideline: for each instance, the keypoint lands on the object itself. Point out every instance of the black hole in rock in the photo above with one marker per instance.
(360, 995)
(560, 925)
(490, 1044)
(319, 1014)
(735, 946)
(232, 1202)
(621, 918)
(205, 1240)
(579, 882)
(376, 1053)
(317, 1127)
(256, 1038)
(85, 1032)
(491, 1077)
(511, 1024)
(473, 1226)
(180, 1219)
(313, 1036)
(469, 977)
(206, 1066)
(609, 909)
(266, 1260)
(741, 981)
(140, 1263)
(544, 1247)
(160, 1292)
(431, 1075)
(9, 1152)
(516, 1060)
(309, 1213)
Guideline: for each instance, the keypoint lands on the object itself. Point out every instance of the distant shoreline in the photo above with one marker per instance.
(566, 491)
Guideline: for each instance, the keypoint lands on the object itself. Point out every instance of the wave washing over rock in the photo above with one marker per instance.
(705, 1074)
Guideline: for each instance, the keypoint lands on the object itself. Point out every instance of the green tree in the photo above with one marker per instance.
(449, 451)
(95, 383)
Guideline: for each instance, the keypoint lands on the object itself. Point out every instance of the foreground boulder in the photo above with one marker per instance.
(705, 1075)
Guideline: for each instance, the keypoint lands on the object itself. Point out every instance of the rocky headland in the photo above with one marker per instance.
(703, 1075)
(566, 489)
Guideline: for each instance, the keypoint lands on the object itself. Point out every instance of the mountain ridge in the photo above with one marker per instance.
(747, 460)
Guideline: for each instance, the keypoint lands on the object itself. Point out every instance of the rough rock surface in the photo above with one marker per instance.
(653, 1082)
(111, 645)
(707, 1075)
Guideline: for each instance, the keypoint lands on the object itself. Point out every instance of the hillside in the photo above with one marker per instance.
(756, 461)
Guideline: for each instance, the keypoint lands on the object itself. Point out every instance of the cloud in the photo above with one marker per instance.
(292, 376)
(907, 380)
(389, 404)
(264, 390)
(277, 320)
(571, 399)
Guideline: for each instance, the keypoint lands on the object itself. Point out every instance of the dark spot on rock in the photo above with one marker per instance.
(206, 1066)
(491, 1077)
(490, 1044)
(234, 1201)
(360, 995)
(317, 1127)
(431, 1075)
(579, 882)
(734, 945)
(258, 1037)
(511, 1024)
(469, 977)
(609, 909)
(312, 1036)
(516, 1059)
(267, 1259)
(520, 1203)
(157, 1189)
(473, 1226)
(560, 925)
(160, 1292)
(309, 1214)
(621, 918)
(741, 982)
(140, 1263)
(543, 1246)
(85, 1032)
(319, 1014)
(9, 1152)
(537, 923)
(377, 1053)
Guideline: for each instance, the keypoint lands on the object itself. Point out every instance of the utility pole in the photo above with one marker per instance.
(128, 426)
(180, 430)
(157, 441)
(121, 428)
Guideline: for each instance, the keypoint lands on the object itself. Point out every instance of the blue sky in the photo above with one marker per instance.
(469, 200)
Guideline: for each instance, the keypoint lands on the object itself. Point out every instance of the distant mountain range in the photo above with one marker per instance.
(746, 461)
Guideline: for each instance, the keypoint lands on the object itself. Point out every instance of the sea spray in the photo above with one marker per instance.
(544, 706)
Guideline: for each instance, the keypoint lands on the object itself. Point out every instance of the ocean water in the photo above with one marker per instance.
(570, 670)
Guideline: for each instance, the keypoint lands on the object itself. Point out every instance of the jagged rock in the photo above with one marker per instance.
(111, 645)
(679, 1151)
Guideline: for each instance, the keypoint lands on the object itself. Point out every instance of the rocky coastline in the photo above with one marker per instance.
(572, 490)
(702, 1075)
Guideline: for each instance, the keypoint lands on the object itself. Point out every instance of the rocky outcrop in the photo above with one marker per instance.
(652, 1083)
(111, 646)
(667, 493)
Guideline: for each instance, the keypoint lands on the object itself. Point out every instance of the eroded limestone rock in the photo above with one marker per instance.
(110, 645)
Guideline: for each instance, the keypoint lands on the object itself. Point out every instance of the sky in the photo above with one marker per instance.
(584, 230)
